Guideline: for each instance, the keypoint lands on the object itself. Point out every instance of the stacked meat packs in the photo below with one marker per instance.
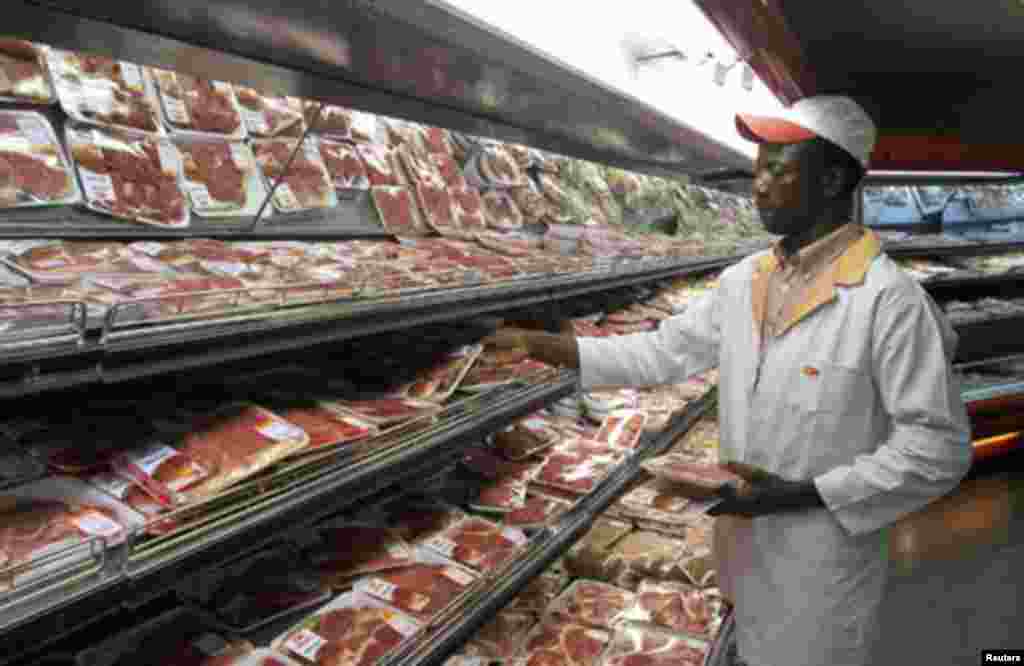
(560, 643)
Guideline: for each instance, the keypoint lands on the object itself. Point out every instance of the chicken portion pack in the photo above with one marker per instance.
(33, 169)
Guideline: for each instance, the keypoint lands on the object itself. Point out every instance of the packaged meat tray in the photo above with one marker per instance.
(236, 442)
(437, 208)
(539, 511)
(33, 169)
(655, 500)
(641, 555)
(387, 411)
(502, 637)
(439, 382)
(539, 593)
(24, 78)
(560, 643)
(344, 165)
(97, 90)
(398, 211)
(526, 438)
(468, 209)
(339, 123)
(485, 377)
(695, 480)
(487, 464)
(162, 471)
(622, 429)
(381, 164)
(191, 104)
(132, 178)
(592, 603)
(423, 590)
(250, 593)
(575, 469)
(346, 550)
(179, 637)
(680, 608)
(500, 211)
(50, 517)
(502, 497)
(477, 543)
(221, 178)
(353, 630)
(326, 426)
(306, 185)
(635, 644)
(126, 492)
(269, 117)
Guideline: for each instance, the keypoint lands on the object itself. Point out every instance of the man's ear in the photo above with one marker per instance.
(833, 181)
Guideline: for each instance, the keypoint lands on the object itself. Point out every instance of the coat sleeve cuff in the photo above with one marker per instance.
(835, 489)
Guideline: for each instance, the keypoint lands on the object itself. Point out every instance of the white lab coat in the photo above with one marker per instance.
(858, 396)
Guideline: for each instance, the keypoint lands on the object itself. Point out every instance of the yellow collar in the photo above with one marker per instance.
(849, 270)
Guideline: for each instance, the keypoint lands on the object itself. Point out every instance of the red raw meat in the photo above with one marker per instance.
(681, 470)
(354, 636)
(449, 171)
(477, 543)
(680, 607)
(469, 211)
(327, 427)
(343, 163)
(306, 178)
(420, 522)
(639, 646)
(623, 429)
(212, 164)
(422, 590)
(437, 141)
(209, 107)
(436, 206)
(280, 115)
(504, 244)
(504, 495)
(30, 174)
(556, 643)
(593, 603)
(380, 165)
(347, 551)
(388, 410)
(397, 211)
(482, 375)
(29, 526)
(525, 438)
(537, 511)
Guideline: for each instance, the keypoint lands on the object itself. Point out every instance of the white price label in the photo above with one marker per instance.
(149, 248)
(382, 589)
(201, 199)
(97, 101)
(281, 431)
(98, 186)
(34, 130)
(311, 151)
(132, 75)
(149, 458)
(255, 121)
(515, 536)
(240, 155)
(286, 199)
(445, 547)
(458, 576)
(170, 159)
(211, 645)
(403, 625)
(305, 644)
(95, 523)
(176, 110)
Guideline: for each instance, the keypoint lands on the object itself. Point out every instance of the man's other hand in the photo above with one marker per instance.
(762, 493)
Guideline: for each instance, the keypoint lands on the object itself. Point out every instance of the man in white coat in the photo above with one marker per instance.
(837, 402)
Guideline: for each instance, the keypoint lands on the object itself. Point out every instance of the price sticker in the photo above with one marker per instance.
(255, 121)
(280, 431)
(95, 523)
(98, 186)
(200, 195)
(305, 644)
(312, 152)
(149, 458)
(382, 589)
(445, 547)
(176, 110)
(458, 576)
(403, 625)
(132, 75)
(285, 198)
(240, 156)
(34, 131)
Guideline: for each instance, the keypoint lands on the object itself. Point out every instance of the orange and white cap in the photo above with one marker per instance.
(841, 120)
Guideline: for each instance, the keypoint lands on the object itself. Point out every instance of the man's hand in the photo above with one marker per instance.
(761, 493)
(505, 339)
(556, 350)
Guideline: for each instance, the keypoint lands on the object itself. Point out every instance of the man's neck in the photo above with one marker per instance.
(828, 223)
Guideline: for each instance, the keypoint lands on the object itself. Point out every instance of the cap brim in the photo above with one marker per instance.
(765, 129)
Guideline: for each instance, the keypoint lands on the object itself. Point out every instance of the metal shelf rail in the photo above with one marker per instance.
(141, 570)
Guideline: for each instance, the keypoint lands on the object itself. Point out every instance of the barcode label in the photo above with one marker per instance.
(98, 186)
(200, 196)
(458, 576)
(176, 110)
(150, 457)
(255, 121)
(280, 431)
(382, 589)
(34, 131)
(442, 545)
(286, 199)
(95, 523)
(240, 156)
(132, 75)
(403, 625)
(305, 644)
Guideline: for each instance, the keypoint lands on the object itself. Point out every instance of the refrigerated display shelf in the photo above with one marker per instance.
(138, 572)
(124, 352)
(435, 647)
(990, 338)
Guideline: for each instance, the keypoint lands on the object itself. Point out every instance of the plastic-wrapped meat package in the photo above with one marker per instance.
(561, 643)
(638, 645)
(23, 76)
(326, 427)
(267, 116)
(328, 120)
(484, 462)
(680, 607)
(387, 411)
(577, 467)
(418, 166)
(642, 555)
(162, 471)
(622, 429)
(381, 164)
(701, 441)
(397, 210)
(256, 590)
(449, 171)
(437, 209)
(343, 163)
(477, 543)
(422, 590)
(133, 178)
(500, 211)
(305, 185)
(171, 298)
(95, 89)
(221, 177)
(483, 377)
(502, 637)
(499, 168)
(505, 244)
(696, 480)
(539, 593)
(33, 169)
(126, 492)
(593, 603)
(504, 496)
(235, 443)
(347, 550)
(656, 500)
(350, 631)
(537, 512)
(437, 383)
(468, 209)
(198, 105)
(526, 438)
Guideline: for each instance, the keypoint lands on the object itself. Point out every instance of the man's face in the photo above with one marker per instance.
(787, 188)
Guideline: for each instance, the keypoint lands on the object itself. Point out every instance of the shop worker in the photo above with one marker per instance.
(837, 401)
